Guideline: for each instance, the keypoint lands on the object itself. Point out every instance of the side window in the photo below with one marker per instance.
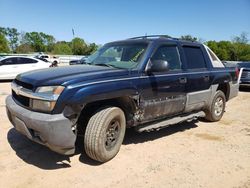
(169, 54)
(195, 58)
(23, 60)
(10, 61)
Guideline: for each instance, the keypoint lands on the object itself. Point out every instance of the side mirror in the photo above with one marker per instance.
(82, 61)
(157, 66)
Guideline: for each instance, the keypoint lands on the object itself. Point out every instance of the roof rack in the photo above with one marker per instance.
(154, 36)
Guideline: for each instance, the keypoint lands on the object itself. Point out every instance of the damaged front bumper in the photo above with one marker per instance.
(54, 131)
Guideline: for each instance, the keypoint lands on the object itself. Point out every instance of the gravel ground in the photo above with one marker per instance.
(197, 154)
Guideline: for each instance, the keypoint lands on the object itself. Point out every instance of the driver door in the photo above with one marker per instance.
(163, 92)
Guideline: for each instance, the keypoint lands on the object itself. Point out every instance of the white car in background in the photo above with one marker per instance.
(11, 66)
(51, 59)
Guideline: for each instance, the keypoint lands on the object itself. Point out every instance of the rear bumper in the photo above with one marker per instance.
(54, 131)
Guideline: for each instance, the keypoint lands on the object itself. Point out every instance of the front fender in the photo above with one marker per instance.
(96, 92)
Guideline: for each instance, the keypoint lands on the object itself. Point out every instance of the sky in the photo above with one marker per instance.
(102, 21)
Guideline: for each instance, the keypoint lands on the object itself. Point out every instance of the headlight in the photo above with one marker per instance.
(55, 90)
(50, 95)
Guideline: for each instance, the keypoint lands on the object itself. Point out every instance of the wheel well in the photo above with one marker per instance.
(225, 89)
(127, 104)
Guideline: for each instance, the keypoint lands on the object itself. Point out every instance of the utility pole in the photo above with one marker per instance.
(73, 32)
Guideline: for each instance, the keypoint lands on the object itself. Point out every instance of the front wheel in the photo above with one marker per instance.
(217, 107)
(104, 134)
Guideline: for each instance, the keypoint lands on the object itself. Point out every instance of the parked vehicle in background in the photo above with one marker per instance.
(52, 59)
(78, 62)
(245, 75)
(11, 66)
(146, 83)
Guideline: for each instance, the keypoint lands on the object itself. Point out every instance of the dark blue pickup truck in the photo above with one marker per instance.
(147, 82)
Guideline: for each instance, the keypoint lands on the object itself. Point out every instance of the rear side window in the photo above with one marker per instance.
(23, 60)
(169, 54)
(194, 57)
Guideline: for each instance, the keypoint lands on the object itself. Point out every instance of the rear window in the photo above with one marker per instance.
(244, 65)
(194, 57)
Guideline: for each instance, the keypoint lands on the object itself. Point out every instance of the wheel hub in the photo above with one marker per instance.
(112, 134)
(218, 106)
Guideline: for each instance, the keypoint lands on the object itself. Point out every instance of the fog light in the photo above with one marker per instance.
(41, 105)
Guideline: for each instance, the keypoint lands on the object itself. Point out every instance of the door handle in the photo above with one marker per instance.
(206, 78)
(183, 80)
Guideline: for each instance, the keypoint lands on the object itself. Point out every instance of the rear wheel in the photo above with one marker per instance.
(217, 107)
(104, 134)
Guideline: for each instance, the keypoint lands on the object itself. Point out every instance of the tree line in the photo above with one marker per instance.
(13, 41)
(238, 49)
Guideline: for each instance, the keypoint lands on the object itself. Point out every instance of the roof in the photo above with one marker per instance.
(160, 38)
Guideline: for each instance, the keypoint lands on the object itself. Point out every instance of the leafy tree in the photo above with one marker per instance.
(24, 49)
(242, 39)
(91, 48)
(35, 41)
(13, 36)
(39, 41)
(4, 48)
(222, 49)
(62, 48)
(189, 37)
(48, 41)
(79, 47)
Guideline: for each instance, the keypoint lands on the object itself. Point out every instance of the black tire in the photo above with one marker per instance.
(104, 134)
(216, 110)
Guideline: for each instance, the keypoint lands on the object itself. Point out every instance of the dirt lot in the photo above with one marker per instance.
(197, 154)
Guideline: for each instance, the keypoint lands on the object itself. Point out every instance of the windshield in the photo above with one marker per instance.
(38, 57)
(244, 65)
(123, 56)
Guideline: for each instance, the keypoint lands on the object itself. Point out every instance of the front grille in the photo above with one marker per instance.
(245, 74)
(23, 84)
(25, 101)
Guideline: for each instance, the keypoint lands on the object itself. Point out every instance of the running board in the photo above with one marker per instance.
(165, 123)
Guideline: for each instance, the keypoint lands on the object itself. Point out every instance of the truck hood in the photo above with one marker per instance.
(69, 75)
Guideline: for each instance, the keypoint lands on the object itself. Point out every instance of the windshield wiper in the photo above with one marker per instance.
(103, 64)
